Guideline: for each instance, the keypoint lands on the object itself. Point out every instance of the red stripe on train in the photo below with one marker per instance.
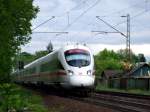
(57, 73)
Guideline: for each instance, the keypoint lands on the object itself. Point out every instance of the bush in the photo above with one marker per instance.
(15, 99)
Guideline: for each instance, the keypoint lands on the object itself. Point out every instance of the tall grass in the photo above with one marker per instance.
(15, 99)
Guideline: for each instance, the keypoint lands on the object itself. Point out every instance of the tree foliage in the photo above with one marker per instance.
(112, 60)
(27, 57)
(15, 99)
(123, 55)
(107, 60)
(39, 54)
(15, 28)
(141, 58)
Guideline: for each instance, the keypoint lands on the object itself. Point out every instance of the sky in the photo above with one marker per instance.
(78, 18)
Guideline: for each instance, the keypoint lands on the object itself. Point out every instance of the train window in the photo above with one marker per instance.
(52, 66)
(32, 70)
(78, 57)
(60, 66)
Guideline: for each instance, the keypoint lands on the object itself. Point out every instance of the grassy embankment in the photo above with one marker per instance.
(16, 99)
(133, 91)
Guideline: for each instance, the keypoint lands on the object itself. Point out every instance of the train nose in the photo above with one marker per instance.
(81, 81)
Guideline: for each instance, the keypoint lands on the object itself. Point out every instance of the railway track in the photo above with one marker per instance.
(123, 103)
(128, 95)
(119, 103)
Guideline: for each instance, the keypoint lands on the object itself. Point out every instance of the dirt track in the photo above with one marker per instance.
(61, 104)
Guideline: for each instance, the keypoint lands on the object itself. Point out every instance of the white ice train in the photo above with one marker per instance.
(69, 67)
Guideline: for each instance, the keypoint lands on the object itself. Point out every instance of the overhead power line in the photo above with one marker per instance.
(103, 32)
(111, 26)
(80, 4)
(43, 23)
(51, 32)
(121, 10)
(75, 20)
(83, 2)
(137, 15)
(127, 36)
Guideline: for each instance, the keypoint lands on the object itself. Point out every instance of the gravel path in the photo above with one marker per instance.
(60, 104)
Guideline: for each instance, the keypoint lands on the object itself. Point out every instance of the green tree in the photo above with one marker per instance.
(113, 60)
(15, 28)
(27, 58)
(39, 54)
(123, 55)
(141, 58)
(107, 60)
(16, 99)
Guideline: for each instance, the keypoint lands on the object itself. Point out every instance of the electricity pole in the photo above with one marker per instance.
(127, 35)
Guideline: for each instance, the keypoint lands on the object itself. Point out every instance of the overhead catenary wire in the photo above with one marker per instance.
(69, 11)
(80, 4)
(70, 24)
(51, 32)
(111, 26)
(57, 32)
(137, 15)
(84, 12)
(121, 10)
(43, 23)
(132, 17)
(84, 1)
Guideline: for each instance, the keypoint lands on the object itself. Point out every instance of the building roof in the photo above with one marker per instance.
(139, 66)
(118, 73)
(111, 73)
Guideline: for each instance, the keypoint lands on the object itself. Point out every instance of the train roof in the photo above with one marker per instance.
(40, 60)
(75, 46)
(48, 56)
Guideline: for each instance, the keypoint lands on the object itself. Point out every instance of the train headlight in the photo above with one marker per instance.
(89, 72)
(70, 72)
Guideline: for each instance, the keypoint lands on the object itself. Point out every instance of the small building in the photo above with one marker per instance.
(106, 75)
(140, 71)
(137, 78)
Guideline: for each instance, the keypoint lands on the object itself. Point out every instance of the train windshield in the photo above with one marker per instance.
(78, 57)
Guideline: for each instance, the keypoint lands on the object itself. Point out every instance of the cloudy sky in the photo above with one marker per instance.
(78, 18)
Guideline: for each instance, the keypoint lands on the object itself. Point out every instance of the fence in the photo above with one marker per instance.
(130, 83)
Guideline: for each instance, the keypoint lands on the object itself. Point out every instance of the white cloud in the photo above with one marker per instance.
(135, 48)
(80, 30)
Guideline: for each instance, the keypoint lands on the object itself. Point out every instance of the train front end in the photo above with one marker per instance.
(79, 65)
